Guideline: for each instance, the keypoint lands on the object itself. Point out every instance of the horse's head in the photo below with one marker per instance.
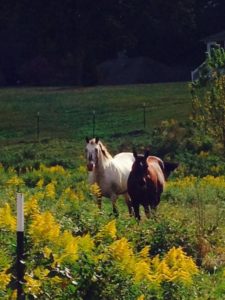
(140, 166)
(91, 150)
(169, 167)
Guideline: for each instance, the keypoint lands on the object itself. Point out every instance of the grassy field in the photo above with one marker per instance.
(73, 251)
(68, 113)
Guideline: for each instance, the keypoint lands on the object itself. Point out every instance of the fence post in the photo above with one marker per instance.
(20, 266)
(38, 126)
(93, 123)
(144, 115)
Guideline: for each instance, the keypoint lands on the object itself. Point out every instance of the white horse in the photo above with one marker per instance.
(110, 173)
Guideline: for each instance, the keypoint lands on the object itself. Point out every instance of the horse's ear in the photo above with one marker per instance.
(96, 139)
(87, 139)
(147, 153)
(135, 153)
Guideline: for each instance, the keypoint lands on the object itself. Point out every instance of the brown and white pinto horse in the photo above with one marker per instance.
(147, 180)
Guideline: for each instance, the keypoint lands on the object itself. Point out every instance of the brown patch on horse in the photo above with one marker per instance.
(155, 170)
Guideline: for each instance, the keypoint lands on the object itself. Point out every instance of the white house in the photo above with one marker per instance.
(211, 41)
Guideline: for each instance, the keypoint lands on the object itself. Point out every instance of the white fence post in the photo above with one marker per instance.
(20, 267)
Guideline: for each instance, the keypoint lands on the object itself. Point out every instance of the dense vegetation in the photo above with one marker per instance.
(58, 42)
(73, 251)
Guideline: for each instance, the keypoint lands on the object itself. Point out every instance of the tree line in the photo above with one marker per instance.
(55, 41)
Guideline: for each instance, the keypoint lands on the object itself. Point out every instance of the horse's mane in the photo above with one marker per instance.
(104, 150)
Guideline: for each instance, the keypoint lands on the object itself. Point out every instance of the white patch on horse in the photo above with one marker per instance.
(110, 173)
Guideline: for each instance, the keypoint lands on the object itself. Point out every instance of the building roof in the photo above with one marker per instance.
(220, 36)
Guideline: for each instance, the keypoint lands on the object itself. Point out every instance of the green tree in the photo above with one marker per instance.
(208, 100)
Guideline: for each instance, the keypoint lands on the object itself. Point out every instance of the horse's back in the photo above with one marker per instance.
(124, 161)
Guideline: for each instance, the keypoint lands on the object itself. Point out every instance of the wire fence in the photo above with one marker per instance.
(74, 123)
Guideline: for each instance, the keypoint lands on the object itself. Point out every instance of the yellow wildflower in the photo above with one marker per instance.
(141, 271)
(182, 267)
(68, 248)
(71, 195)
(123, 254)
(47, 252)
(7, 220)
(86, 243)
(4, 279)
(204, 154)
(44, 228)
(95, 190)
(15, 181)
(142, 297)
(108, 230)
(31, 206)
(40, 183)
(57, 170)
(162, 272)
(82, 170)
(41, 273)
(32, 286)
(50, 190)
(144, 253)
(13, 295)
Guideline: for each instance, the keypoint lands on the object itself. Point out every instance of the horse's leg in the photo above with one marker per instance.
(99, 202)
(147, 211)
(129, 204)
(136, 211)
(115, 210)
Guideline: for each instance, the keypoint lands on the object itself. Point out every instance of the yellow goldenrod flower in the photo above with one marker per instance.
(31, 206)
(71, 195)
(7, 220)
(15, 181)
(85, 243)
(68, 248)
(44, 228)
(57, 170)
(47, 252)
(4, 279)
(108, 230)
(95, 190)
(50, 190)
(41, 273)
(204, 154)
(142, 297)
(181, 267)
(121, 251)
(162, 272)
(82, 170)
(141, 271)
(32, 286)
(13, 296)
(144, 253)
(40, 183)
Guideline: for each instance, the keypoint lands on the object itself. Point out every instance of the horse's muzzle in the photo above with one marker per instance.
(90, 166)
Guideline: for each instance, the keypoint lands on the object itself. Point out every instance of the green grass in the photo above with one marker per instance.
(66, 114)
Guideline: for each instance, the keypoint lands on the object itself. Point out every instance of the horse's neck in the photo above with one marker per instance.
(103, 164)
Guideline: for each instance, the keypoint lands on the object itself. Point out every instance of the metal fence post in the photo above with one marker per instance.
(93, 123)
(144, 115)
(38, 126)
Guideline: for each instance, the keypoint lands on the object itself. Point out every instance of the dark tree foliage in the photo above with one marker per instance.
(55, 41)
